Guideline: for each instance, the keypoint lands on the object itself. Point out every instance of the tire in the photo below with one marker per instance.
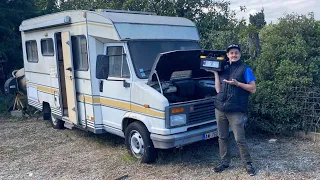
(54, 121)
(46, 111)
(144, 151)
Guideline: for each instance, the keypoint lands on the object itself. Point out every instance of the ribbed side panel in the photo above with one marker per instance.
(38, 105)
(56, 111)
(35, 104)
(89, 123)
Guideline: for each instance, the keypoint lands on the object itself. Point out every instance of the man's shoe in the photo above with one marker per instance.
(250, 169)
(221, 167)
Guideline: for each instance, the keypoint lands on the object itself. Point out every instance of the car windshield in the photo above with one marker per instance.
(144, 53)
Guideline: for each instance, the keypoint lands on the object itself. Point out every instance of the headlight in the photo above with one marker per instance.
(177, 120)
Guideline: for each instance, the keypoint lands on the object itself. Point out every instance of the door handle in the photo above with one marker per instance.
(126, 84)
(69, 69)
(101, 86)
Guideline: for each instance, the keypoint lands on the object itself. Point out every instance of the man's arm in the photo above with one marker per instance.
(250, 80)
(251, 86)
(216, 81)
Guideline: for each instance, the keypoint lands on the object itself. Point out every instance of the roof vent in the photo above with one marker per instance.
(124, 11)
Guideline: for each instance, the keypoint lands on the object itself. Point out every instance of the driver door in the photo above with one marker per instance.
(115, 92)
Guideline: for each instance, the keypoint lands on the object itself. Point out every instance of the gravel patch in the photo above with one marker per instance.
(31, 149)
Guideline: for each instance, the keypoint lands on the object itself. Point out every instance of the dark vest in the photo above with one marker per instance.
(232, 98)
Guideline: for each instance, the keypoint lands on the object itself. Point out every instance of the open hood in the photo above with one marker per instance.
(181, 60)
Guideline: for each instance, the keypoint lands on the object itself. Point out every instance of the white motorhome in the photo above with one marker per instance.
(133, 74)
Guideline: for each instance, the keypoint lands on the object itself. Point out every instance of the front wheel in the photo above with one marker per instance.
(139, 144)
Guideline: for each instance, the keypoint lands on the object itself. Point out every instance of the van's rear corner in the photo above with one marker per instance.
(188, 123)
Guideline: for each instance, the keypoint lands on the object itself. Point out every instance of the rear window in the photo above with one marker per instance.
(47, 48)
(32, 51)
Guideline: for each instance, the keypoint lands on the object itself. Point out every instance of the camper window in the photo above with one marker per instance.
(118, 66)
(80, 53)
(47, 47)
(32, 51)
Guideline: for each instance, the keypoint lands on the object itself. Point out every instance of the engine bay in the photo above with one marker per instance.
(186, 89)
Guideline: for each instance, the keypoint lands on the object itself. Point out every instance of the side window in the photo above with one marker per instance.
(118, 66)
(47, 47)
(80, 53)
(32, 51)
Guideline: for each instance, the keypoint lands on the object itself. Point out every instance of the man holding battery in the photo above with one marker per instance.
(233, 86)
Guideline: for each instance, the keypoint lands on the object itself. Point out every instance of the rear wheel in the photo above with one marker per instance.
(54, 121)
(46, 111)
(139, 144)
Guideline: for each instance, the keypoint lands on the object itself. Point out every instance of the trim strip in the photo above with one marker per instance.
(46, 89)
(123, 105)
(99, 24)
(37, 72)
(81, 23)
(149, 111)
(120, 105)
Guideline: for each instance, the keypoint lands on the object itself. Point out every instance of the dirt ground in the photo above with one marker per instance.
(31, 149)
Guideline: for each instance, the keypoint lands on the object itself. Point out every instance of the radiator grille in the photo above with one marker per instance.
(202, 112)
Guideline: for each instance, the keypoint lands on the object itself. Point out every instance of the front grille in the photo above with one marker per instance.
(203, 111)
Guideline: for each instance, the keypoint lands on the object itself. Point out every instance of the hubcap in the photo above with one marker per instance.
(137, 144)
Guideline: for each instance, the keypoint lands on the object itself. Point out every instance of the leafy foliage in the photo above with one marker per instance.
(11, 14)
(289, 58)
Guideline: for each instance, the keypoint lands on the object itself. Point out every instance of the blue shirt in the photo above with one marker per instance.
(248, 75)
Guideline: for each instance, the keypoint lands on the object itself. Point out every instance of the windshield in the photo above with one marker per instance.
(144, 53)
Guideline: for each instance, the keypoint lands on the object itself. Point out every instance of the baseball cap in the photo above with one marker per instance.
(233, 46)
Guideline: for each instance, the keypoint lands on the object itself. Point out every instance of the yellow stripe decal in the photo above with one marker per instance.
(49, 90)
(112, 103)
(121, 105)
(107, 102)
(46, 89)
(88, 99)
(144, 110)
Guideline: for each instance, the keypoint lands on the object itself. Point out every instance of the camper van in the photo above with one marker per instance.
(133, 74)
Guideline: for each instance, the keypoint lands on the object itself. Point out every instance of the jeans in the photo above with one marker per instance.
(236, 121)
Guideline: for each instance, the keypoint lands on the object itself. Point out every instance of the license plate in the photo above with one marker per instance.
(209, 135)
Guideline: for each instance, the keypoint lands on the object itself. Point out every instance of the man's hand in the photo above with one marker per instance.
(251, 86)
(232, 82)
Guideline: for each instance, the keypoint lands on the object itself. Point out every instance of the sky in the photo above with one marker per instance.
(273, 9)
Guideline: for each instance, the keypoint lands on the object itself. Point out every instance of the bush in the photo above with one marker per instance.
(289, 60)
(6, 101)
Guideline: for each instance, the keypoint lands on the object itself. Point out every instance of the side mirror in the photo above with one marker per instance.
(102, 67)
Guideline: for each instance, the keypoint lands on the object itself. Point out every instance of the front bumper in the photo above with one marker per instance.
(180, 139)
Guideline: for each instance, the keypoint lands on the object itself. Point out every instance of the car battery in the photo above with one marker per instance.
(212, 63)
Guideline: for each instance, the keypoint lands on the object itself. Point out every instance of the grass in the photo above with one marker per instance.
(126, 157)
(34, 147)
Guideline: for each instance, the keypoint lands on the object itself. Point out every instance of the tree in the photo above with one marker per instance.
(47, 6)
(257, 22)
(12, 13)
